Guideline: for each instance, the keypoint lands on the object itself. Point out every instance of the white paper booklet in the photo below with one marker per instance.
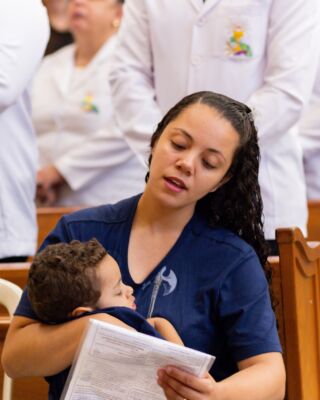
(118, 364)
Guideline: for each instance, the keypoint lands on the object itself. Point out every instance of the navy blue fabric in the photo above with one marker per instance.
(213, 290)
(128, 316)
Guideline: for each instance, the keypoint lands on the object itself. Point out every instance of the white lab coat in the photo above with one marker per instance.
(309, 129)
(168, 49)
(84, 145)
(24, 32)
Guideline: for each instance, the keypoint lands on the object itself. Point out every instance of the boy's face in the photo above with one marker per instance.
(114, 293)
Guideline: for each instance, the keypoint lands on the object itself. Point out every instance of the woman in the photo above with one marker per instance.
(83, 158)
(201, 200)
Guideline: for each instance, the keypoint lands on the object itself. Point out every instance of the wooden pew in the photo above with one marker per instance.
(314, 220)
(47, 218)
(15, 272)
(23, 388)
(297, 290)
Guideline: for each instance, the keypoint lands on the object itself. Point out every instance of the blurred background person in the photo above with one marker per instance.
(24, 32)
(59, 29)
(254, 52)
(84, 160)
(310, 140)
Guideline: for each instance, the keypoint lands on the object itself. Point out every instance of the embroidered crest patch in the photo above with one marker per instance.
(236, 46)
(88, 105)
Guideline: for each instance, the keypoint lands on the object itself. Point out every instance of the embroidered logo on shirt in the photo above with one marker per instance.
(236, 46)
(169, 281)
(88, 105)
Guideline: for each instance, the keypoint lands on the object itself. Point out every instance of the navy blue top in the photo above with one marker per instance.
(210, 285)
(128, 316)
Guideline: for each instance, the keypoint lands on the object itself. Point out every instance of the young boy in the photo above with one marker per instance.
(67, 281)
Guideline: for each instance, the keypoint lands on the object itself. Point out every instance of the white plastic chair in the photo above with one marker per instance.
(9, 297)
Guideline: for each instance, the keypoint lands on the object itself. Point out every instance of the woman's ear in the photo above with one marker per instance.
(79, 310)
(224, 180)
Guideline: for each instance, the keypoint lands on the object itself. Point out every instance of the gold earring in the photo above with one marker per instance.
(116, 23)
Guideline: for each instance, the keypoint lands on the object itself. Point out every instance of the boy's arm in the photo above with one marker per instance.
(166, 329)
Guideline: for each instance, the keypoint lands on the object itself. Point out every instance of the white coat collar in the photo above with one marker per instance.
(65, 59)
(203, 8)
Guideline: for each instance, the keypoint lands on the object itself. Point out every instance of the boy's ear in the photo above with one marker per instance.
(80, 310)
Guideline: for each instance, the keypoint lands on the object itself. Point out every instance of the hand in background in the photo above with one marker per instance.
(49, 181)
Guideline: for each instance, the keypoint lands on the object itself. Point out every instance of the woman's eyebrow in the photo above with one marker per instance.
(188, 136)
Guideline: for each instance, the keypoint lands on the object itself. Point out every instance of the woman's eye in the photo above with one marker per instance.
(177, 146)
(208, 165)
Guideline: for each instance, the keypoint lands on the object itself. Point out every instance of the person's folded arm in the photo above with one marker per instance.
(103, 151)
(35, 349)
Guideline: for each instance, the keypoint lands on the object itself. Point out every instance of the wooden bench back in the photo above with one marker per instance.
(34, 388)
(314, 220)
(47, 218)
(299, 311)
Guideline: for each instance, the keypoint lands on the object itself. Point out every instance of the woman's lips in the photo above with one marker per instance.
(175, 184)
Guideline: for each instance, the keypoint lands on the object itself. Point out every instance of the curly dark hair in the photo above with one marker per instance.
(237, 204)
(63, 277)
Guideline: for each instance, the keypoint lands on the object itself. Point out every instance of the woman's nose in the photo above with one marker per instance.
(185, 164)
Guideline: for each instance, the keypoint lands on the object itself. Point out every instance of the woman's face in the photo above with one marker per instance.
(192, 156)
(88, 16)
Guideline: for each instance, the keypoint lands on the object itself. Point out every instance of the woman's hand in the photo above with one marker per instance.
(180, 385)
(260, 377)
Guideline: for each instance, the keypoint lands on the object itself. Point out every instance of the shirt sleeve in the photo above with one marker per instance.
(131, 80)
(100, 153)
(24, 32)
(310, 121)
(291, 61)
(246, 313)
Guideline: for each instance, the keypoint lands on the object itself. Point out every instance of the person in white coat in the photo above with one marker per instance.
(84, 160)
(24, 32)
(310, 139)
(258, 52)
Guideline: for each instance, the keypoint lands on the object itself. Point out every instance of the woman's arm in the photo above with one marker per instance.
(35, 349)
(260, 377)
(166, 329)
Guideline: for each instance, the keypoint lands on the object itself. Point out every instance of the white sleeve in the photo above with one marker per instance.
(131, 79)
(292, 53)
(24, 32)
(100, 153)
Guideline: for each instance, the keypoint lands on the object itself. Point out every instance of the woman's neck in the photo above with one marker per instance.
(159, 217)
(87, 47)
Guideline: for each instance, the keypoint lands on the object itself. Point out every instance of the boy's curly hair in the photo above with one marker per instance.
(63, 277)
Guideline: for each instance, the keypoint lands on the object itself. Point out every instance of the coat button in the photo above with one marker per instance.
(195, 61)
(201, 22)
